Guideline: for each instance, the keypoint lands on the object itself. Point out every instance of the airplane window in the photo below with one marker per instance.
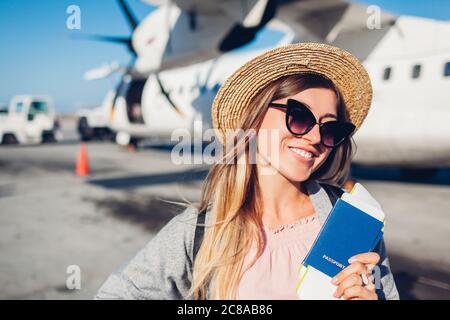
(387, 73)
(416, 71)
(447, 69)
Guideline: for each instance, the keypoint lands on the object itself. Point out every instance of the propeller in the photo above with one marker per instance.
(127, 41)
(102, 72)
(131, 19)
(111, 39)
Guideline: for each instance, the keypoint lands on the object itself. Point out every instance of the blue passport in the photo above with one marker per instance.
(346, 232)
(354, 225)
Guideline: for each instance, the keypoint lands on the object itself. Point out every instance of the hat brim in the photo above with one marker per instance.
(341, 67)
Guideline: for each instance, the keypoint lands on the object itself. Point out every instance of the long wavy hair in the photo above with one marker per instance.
(231, 189)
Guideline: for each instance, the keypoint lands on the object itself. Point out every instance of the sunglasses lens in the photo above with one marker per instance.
(334, 132)
(300, 118)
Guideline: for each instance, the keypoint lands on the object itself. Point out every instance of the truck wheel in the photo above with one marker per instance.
(103, 134)
(9, 138)
(112, 136)
(84, 130)
(48, 137)
(109, 135)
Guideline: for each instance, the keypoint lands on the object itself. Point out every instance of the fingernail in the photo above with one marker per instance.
(351, 260)
(334, 280)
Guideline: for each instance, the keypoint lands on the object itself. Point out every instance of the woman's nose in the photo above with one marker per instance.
(313, 135)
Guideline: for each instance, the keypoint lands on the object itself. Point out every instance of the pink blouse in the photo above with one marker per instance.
(274, 276)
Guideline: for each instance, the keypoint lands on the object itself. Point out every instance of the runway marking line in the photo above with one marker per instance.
(434, 283)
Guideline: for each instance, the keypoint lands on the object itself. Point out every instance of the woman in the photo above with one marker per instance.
(263, 206)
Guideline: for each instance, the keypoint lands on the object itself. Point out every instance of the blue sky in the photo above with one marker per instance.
(37, 56)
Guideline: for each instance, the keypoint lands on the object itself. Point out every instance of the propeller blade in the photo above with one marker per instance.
(121, 83)
(111, 39)
(95, 37)
(102, 72)
(132, 21)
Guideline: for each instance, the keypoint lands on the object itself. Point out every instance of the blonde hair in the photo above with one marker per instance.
(231, 189)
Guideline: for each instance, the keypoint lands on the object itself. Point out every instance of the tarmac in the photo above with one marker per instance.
(51, 219)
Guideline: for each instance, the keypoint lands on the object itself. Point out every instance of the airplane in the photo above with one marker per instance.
(184, 50)
(162, 58)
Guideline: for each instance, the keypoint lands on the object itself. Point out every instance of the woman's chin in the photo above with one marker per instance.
(295, 168)
(296, 174)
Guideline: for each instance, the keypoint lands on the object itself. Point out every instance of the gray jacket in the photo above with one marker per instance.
(163, 268)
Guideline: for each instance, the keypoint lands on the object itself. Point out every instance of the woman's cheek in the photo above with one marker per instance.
(268, 144)
(322, 158)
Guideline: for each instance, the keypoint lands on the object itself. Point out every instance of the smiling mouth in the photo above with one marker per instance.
(303, 153)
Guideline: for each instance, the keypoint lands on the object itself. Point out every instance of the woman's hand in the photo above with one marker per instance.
(349, 281)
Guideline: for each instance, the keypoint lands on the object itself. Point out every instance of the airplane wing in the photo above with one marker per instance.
(198, 30)
(352, 26)
(249, 13)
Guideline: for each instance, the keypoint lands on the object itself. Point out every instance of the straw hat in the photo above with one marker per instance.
(341, 67)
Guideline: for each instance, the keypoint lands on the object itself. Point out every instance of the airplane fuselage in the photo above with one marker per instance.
(407, 124)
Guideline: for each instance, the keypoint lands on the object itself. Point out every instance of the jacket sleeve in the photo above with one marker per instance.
(384, 280)
(162, 269)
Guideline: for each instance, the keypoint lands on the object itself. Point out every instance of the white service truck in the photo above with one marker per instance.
(93, 124)
(29, 120)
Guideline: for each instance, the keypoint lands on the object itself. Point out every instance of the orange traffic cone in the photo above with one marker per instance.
(348, 185)
(82, 168)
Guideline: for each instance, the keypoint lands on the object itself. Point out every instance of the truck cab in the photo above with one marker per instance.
(29, 120)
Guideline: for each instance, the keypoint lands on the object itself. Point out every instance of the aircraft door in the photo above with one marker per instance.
(133, 98)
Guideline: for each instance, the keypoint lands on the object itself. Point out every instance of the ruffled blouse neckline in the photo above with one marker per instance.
(303, 220)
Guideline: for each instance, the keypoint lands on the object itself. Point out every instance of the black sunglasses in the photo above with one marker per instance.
(300, 120)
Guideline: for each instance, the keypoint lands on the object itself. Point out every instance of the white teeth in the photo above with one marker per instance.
(303, 153)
